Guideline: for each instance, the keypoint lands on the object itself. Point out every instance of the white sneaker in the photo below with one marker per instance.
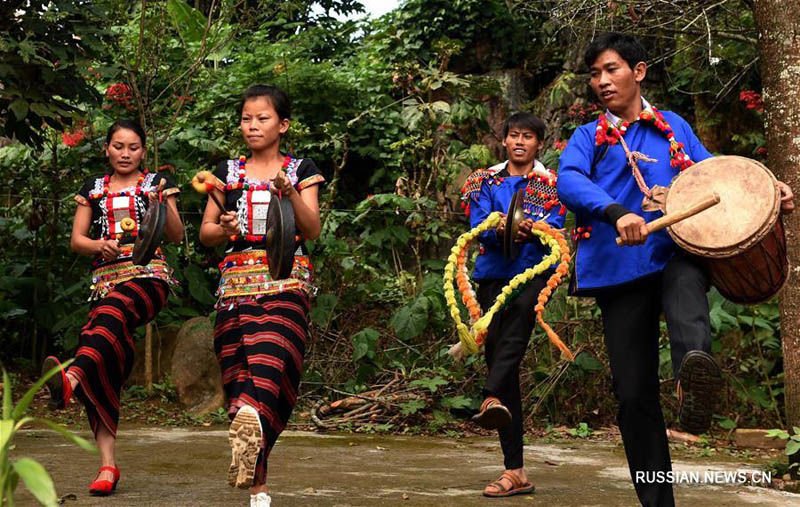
(260, 500)
(245, 439)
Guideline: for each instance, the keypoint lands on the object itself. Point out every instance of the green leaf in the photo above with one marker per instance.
(323, 309)
(364, 343)
(79, 441)
(27, 398)
(13, 478)
(18, 425)
(189, 21)
(14, 312)
(411, 407)
(727, 424)
(37, 480)
(431, 384)
(411, 116)
(6, 432)
(410, 320)
(457, 402)
(7, 402)
(777, 433)
(20, 108)
(43, 111)
(792, 447)
(588, 362)
(441, 106)
(198, 286)
(22, 234)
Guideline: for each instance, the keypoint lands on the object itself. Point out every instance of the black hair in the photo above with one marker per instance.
(627, 46)
(278, 98)
(129, 125)
(525, 121)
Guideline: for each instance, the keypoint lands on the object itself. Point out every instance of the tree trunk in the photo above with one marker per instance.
(778, 24)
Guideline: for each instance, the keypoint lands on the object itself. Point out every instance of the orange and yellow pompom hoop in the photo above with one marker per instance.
(473, 337)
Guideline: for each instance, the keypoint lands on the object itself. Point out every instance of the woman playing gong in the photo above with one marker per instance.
(261, 323)
(124, 295)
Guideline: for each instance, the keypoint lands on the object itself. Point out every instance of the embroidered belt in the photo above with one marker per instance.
(107, 276)
(245, 275)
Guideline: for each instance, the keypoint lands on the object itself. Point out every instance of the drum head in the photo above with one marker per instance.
(749, 205)
(514, 216)
(280, 238)
(151, 230)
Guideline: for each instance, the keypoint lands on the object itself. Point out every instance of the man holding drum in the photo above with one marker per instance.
(600, 181)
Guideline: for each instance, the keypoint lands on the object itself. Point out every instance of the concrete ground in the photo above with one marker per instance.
(168, 467)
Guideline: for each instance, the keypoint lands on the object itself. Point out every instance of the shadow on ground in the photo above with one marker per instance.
(166, 467)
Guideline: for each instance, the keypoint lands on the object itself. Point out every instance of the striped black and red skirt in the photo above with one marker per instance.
(260, 344)
(105, 353)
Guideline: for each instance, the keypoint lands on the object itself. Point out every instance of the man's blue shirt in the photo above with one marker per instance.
(591, 177)
(495, 195)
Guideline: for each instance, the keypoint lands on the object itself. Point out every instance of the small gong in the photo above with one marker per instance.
(514, 216)
(280, 237)
(151, 231)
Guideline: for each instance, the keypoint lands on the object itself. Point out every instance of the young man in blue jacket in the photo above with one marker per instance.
(509, 332)
(633, 285)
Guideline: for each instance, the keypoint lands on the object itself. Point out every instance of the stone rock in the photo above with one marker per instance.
(164, 339)
(195, 370)
(757, 439)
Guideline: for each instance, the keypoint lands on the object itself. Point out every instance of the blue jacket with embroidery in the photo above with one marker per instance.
(593, 177)
(495, 194)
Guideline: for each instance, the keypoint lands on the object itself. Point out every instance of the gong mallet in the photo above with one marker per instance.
(205, 182)
(673, 218)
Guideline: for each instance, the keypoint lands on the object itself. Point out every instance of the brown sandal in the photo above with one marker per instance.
(493, 415)
(517, 487)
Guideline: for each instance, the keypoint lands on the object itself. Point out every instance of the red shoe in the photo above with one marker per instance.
(58, 385)
(104, 488)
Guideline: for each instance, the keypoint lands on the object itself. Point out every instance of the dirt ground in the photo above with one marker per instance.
(187, 466)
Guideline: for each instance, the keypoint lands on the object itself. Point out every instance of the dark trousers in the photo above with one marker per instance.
(506, 343)
(631, 323)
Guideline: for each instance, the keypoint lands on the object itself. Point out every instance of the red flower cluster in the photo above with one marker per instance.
(752, 100)
(74, 136)
(559, 145)
(580, 113)
(121, 94)
(72, 139)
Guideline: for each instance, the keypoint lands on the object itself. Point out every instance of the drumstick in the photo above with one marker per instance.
(667, 220)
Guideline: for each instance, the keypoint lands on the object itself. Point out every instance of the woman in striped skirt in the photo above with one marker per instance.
(261, 324)
(124, 295)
